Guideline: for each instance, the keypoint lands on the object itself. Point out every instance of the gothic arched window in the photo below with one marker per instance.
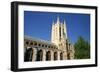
(48, 55)
(28, 55)
(60, 32)
(55, 56)
(39, 55)
(68, 56)
(61, 56)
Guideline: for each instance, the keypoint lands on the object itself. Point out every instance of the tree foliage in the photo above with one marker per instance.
(82, 49)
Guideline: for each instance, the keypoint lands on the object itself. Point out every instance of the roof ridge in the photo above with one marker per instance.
(38, 39)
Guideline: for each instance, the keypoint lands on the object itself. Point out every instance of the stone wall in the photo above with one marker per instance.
(40, 50)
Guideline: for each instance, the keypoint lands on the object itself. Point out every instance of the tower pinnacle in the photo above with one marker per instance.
(59, 32)
(65, 29)
(58, 20)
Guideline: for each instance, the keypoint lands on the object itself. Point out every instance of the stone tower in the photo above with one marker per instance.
(59, 35)
(42, 50)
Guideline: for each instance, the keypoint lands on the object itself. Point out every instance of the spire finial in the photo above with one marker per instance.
(64, 22)
(58, 20)
(65, 29)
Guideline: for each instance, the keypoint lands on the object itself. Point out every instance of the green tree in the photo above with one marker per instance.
(82, 49)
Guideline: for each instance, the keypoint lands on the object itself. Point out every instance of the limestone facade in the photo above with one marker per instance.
(59, 48)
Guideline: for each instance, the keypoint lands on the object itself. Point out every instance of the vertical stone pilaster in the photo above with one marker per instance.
(52, 55)
(72, 52)
(34, 54)
(58, 53)
(64, 55)
(44, 55)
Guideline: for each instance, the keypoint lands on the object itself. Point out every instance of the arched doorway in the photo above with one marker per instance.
(55, 56)
(48, 56)
(28, 55)
(39, 55)
(61, 56)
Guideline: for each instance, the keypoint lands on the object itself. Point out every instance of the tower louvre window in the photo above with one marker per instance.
(60, 32)
(63, 32)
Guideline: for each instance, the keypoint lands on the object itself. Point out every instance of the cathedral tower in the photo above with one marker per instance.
(59, 34)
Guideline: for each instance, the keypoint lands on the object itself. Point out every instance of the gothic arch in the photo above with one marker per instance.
(55, 55)
(61, 56)
(28, 54)
(68, 56)
(48, 55)
(39, 56)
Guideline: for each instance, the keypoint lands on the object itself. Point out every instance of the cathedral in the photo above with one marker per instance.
(59, 48)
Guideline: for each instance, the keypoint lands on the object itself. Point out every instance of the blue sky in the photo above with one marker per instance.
(38, 24)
